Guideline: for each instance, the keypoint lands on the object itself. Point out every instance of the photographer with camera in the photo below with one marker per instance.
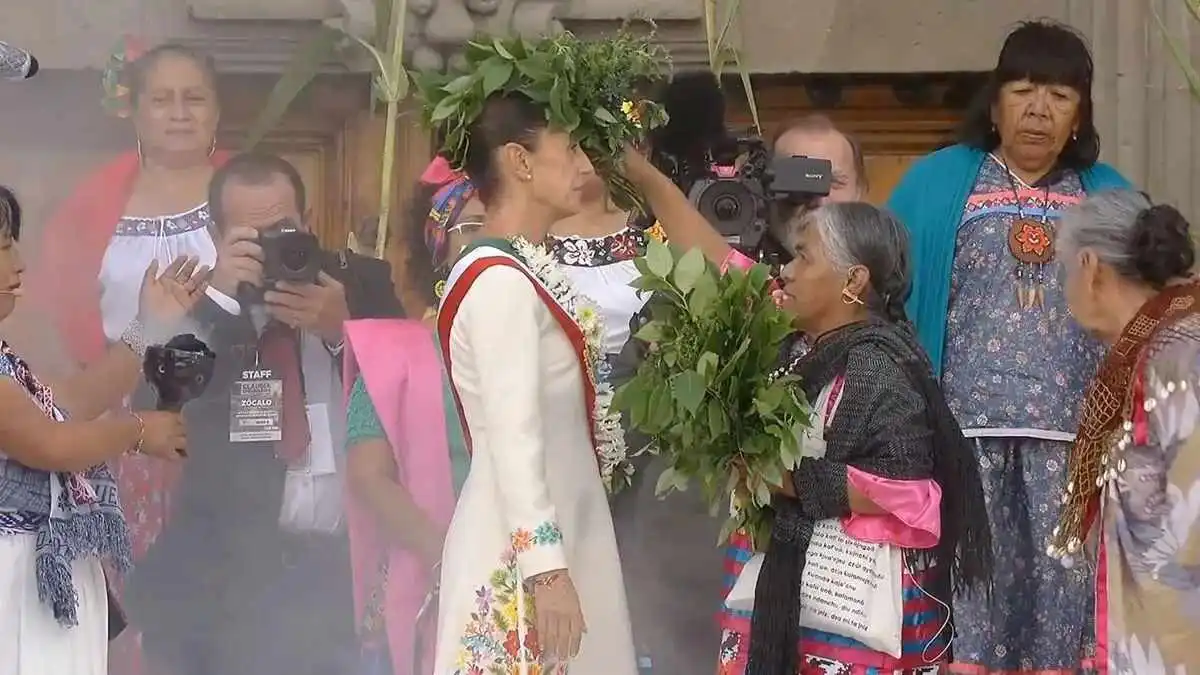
(252, 573)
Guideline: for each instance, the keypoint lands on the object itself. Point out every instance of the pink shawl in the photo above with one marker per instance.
(402, 370)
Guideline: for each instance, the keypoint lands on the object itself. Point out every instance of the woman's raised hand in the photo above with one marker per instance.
(168, 297)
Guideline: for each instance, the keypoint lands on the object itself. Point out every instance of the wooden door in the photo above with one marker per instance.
(312, 136)
(893, 129)
(335, 139)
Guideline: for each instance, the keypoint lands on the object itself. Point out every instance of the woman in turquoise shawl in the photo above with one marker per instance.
(989, 309)
(406, 458)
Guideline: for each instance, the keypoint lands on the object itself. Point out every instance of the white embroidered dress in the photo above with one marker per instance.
(533, 500)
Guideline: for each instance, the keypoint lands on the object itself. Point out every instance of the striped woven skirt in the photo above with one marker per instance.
(924, 636)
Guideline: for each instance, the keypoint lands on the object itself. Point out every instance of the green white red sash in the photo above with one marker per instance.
(477, 258)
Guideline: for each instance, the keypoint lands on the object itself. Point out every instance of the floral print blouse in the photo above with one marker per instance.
(1009, 370)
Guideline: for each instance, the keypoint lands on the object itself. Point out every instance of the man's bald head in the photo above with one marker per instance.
(816, 136)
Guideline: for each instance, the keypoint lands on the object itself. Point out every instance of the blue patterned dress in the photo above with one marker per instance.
(1015, 377)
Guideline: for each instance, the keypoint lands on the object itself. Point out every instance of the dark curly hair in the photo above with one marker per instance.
(1043, 52)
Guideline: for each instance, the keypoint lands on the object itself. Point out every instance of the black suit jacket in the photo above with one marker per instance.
(222, 540)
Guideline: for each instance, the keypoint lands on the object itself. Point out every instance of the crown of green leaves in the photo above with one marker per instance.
(589, 89)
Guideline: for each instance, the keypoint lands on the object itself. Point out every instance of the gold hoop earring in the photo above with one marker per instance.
(849, 298)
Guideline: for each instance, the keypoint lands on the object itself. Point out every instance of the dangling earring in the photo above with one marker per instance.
(141, 157)
(212, 148)
(849, 298)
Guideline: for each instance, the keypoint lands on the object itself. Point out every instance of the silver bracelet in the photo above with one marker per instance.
(134, 337)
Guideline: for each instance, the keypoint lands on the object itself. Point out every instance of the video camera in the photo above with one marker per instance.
(732, 179)
(289, 254)
(741, 201)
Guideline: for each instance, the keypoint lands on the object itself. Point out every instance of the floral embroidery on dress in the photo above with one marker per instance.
(546, 534)
(620, 246)
(492, 643)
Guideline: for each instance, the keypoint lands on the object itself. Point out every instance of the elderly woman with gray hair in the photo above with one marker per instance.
(1132, 502)
(895, 469)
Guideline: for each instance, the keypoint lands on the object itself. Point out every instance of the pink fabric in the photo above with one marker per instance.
(737, 259)
(439, 172)
(1100, 662)
(913, 518)
(401, 368)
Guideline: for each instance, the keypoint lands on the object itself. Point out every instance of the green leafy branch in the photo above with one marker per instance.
(722, 53)
(704, 394)
(588, 89)
(389, 85)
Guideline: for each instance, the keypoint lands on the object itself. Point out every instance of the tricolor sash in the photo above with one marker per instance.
(474, 260)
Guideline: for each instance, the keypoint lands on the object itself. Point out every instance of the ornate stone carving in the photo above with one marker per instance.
(435, 30)
(440, 27)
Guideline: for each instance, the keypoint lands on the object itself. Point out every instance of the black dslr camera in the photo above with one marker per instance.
(289, 254)
(179, 371)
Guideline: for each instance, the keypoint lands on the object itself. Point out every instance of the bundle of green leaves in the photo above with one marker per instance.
(704, 394)
(589, 89)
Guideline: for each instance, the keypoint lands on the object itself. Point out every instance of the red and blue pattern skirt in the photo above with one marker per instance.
(925, 636)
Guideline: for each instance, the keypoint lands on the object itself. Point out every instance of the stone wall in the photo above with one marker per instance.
(1145, 113)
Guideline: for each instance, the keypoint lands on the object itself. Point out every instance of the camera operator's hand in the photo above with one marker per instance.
(164, 435)
(239, 261)
(318, 308)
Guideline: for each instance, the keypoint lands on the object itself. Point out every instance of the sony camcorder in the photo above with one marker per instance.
(731, 178)
(740, 195)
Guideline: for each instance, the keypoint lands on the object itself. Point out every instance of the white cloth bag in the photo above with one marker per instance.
(850, 588)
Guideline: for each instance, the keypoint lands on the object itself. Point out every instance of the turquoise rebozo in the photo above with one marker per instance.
(929, 200)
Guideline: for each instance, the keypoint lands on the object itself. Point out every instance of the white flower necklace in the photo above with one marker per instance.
(611, 451)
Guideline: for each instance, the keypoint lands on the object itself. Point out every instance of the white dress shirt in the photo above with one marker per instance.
(312, 494)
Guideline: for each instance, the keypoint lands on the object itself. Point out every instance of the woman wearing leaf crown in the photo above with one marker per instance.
(531, 579)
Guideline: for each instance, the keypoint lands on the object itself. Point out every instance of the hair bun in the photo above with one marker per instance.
(1162, 246)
